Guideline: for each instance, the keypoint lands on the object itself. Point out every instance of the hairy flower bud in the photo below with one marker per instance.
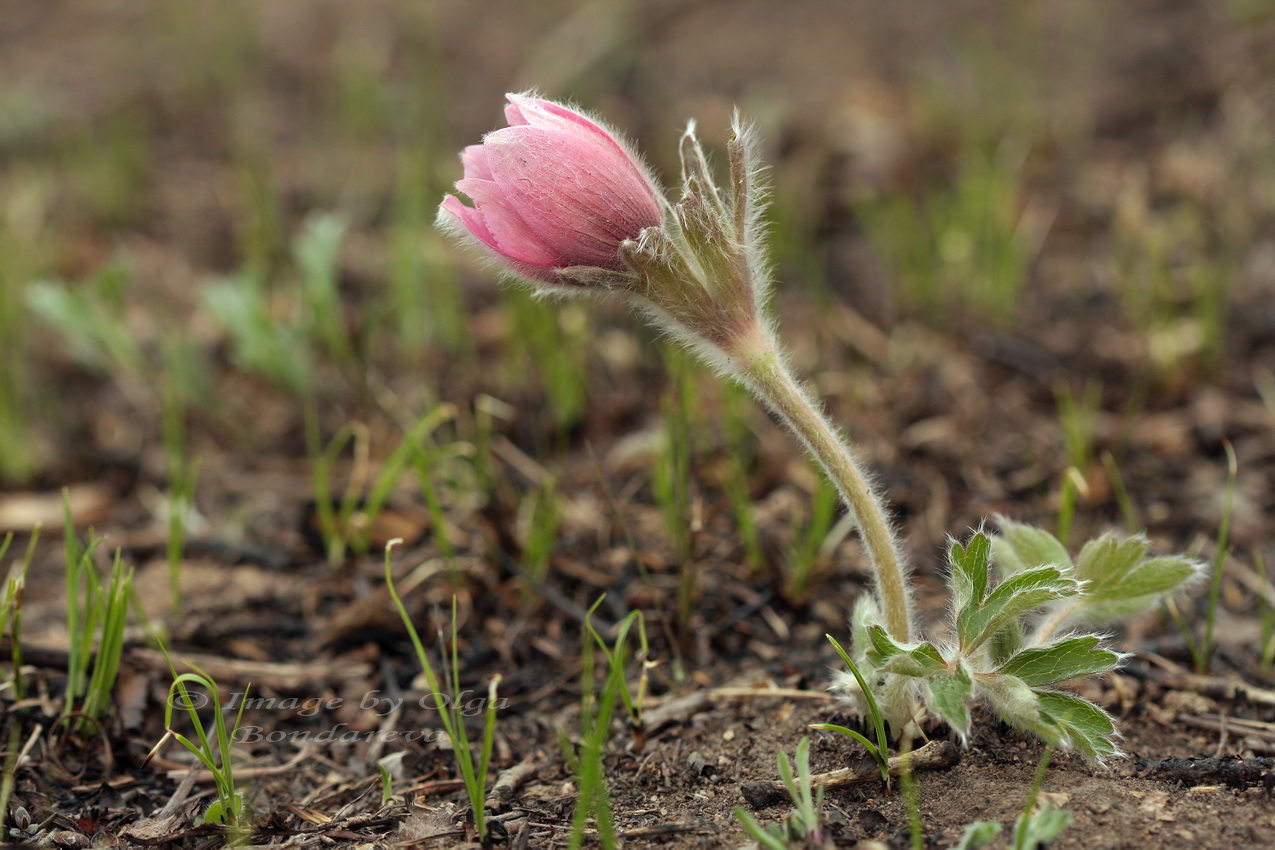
(554, 195)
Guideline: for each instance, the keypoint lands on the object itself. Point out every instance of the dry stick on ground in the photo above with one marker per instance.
(1179, 678)
(666, 830)
(508, 783)
(1256, 735)
(206, 777)
(783, 693)
(683, 708)
(287, 677)
(179, 796)
(935, 755)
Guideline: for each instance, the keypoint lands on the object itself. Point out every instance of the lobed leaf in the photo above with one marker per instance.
(977, 834)
(881, 647)
(1095, 612)
(1122, 581)
(887, 656)
(1064, 720)
(1020, 547)
(970, 566)
(1084, 725)
(949, 696)
(1070, 658)
(1015, 596)
(1154, 576)
(1106, 562)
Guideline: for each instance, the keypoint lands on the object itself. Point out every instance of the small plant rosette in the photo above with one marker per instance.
(1019, 607)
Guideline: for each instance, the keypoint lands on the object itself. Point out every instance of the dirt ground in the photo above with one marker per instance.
(1132, 113)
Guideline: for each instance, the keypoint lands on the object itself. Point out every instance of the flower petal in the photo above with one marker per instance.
(581, 196)
(494, 222)
(535, 112)
(474, 160)
(464, 224)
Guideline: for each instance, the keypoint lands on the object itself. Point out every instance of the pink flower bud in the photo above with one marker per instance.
(552, 191)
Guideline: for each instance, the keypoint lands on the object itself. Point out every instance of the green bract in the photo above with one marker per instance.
(1015, 598)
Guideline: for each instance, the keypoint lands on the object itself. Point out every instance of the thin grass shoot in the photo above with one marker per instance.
(804, 825)
(11, 619)
(809, 549)
(879, 749)
(586, 761)
(1201, 649)
(216, 753)
(634, 699)
(1039, 826)
(446, 693)
(1266, 615)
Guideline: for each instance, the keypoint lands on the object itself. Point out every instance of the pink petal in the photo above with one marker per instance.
(474, 160)
(513, 115)
(495, 222)
(580, 195)
(536, 112)
(470, 218)
(465, 222)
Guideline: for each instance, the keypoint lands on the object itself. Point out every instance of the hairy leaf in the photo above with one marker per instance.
(1012, 598)
(1064, 720)
(1018, 705)
(949, 695)
(1121, 580)
(866, 614)
(1153, 576)
(1066, 659)
(881, 647)
(970, 567)
(1085, 726)
(1006, 641)
(1096, 612)
(1105, 562)
(890, 657)
(1021, 547)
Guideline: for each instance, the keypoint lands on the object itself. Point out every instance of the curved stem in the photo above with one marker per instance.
(766, 374)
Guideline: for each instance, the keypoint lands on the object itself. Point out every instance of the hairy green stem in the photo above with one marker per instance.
(769, 377)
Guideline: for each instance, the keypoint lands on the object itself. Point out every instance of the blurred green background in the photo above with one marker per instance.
(988, 219)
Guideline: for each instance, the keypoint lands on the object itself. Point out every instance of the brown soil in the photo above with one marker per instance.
(1157, 105)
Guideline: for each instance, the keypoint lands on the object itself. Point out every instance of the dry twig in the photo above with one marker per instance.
(935, 755)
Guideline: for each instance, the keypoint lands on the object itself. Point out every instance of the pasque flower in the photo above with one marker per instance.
(553, 192)
(565, 206)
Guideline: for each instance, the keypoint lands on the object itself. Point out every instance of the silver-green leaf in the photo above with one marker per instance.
(949, 696)
(1021, 547)
(890, 657)
(970, 567)
(1012, 598)
(977, 834)
(1070, 658)
(1085, 726)
(1106, 561)
(1153, 576)
(1040, 827)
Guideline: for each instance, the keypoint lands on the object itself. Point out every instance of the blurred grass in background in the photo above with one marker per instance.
(220, 216)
